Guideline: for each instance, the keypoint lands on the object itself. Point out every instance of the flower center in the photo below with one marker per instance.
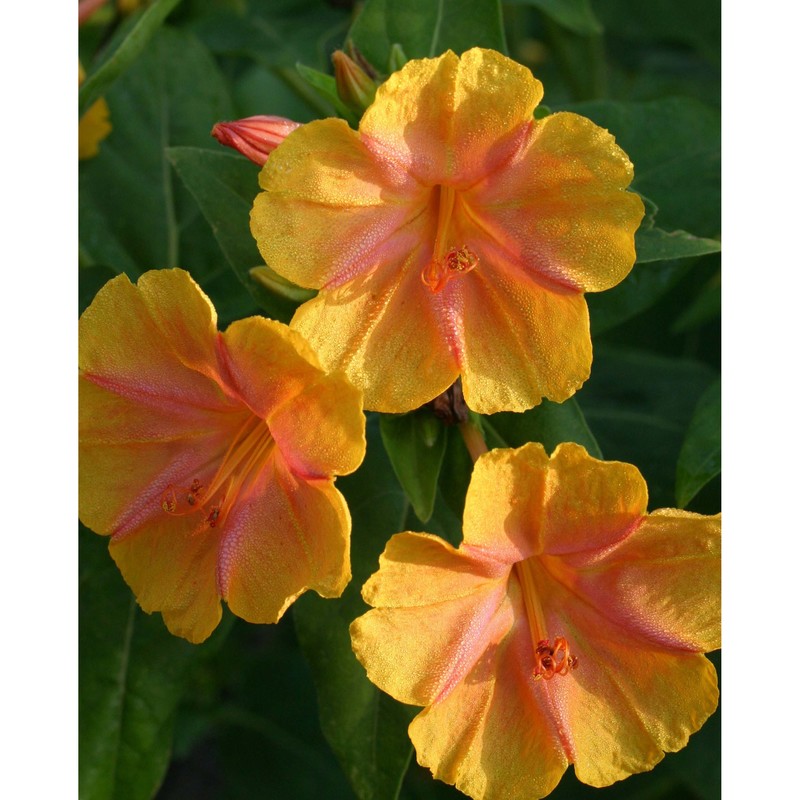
(240, 467)
(548, 660)
(447, 261)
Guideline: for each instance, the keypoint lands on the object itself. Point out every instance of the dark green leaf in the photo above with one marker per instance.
(654, 244)
(248, 727)
(638, 405)
(276, 34)
(575, 15)
(674, 145)
(700, 458)
(365, 728)
(325, 86)
(705, 307)
(426, 28)
(224, 187)
(548, 423)
(135, 215)
(123, 57)
(688, 22)
(132, 675)
(640, 290)
(415, 444)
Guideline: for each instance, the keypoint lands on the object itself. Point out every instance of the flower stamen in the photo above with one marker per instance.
(548, 660)
(447, 262)
(240, 466)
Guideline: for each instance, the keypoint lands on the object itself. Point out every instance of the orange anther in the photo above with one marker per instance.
(555, 660)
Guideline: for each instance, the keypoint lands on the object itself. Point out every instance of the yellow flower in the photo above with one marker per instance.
(209, 458)
(93, 126)
(568, 628)
(452, 234)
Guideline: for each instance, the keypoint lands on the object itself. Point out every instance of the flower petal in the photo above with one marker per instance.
(490, 737)
(560, 208)
(421, 569)
(589, 504)
(451, 120)
(330, 209)
(435, 606)
(383, 332)
(316, 419)
(155, 341)
(132, 452)
(170, 566)
(512, 327)
(520, 503)
(503, 506)
(289, 535)
(629, 701)
(662, 581)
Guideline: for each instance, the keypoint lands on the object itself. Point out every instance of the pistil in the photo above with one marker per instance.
(548, 660)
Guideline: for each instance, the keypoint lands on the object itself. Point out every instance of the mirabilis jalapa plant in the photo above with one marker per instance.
(452, 236)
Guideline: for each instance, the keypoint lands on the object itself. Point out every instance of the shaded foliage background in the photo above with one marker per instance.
(285, 711)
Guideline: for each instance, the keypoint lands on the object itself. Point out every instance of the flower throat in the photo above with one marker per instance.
(240, 467)
(447, 261)
(548, 660)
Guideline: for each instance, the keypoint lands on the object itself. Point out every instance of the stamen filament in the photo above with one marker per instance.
(236, 452)
(447, 199)
(533, 605)
(548, 660)
(244, 458)
(447, 261)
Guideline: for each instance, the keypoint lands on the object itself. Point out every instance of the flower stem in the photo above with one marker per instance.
(473, 439)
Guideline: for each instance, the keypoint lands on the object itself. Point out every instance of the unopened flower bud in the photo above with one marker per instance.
(254, 137)
(353, 84)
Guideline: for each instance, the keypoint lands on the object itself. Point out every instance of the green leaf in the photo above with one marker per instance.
(685, 21)
(674, 145)
(132, 675)
(575, 15)
(365, 727)
(548, 423)
(224, 187)
(415, 444)
(654, 244)
(700, 458)
(426, 28)
(135, 214)
(640, 290)
(90, 280)
(123, 57)
(638, 405)
(325, 86)
(705, 307)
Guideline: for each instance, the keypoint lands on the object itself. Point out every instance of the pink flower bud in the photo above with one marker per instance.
(254, 137)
